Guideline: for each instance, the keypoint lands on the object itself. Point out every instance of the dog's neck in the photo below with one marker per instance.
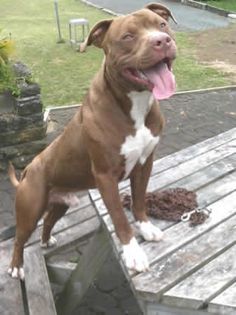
(141, 105)
(134, 104)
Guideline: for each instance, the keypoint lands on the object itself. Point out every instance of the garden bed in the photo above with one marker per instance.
(22, 126)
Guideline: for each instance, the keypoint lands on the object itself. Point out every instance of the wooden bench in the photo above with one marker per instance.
(34, 295)
(193, 269)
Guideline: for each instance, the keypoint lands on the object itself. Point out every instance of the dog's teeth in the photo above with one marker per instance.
(169, 65)
(142, 75)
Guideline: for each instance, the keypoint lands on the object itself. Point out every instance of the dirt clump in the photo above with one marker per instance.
(217, 48)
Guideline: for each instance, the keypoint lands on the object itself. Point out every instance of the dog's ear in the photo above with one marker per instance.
(98, 32)
(161, 10)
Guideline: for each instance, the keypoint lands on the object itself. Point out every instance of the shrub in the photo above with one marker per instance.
(7, 76)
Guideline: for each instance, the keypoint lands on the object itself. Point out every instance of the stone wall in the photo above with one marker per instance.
(22, 126)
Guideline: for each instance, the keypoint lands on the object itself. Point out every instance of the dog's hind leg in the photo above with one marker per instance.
(58, 204)
(29, 209)
(56, 211)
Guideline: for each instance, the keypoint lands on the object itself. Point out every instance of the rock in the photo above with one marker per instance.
(22, 126)
(21, 70)
(21, 161)
(27, 148)
(28, 105)
(20, 155)
(25, 135)
(10, 122)
(29, 90)
(112, 271)
(7, 103)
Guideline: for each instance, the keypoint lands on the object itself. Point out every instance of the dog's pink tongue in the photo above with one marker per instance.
(163, 80)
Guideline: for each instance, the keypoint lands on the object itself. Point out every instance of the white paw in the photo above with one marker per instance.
(17, 273)
(134, 257)
(50, 243)
(149, 231)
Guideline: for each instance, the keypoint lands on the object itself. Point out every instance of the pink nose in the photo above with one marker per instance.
(160, 40)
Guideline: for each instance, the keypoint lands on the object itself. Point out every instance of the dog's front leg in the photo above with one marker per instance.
(139, 180)
(134, 256)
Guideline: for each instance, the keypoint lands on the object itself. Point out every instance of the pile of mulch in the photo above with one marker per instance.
(170, 205)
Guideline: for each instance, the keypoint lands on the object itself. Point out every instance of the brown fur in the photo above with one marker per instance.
(12, 175)
(87, 153)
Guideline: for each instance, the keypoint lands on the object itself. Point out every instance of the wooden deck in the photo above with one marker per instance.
(193, 269)
(34, 295)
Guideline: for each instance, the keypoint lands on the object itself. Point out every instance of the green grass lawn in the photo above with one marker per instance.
(189, 73)
(223, 4)
(64, 74)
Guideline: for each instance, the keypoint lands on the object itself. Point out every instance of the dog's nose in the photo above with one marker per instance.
(160, 40)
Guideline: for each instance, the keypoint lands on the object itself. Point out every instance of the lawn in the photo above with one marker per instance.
(64, 74)
(229, 5)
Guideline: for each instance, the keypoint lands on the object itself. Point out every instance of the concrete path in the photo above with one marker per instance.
(189, 18)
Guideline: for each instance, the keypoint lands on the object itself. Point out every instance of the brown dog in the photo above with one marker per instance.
(112, 136)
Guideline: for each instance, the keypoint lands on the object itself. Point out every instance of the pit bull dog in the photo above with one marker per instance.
(112, 136)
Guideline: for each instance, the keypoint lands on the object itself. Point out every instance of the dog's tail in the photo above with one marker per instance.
(12, 175)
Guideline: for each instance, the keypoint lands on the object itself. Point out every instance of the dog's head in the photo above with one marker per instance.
(139, 49)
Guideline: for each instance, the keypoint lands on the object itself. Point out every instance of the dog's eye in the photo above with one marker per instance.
(127, 36)
(163, 25)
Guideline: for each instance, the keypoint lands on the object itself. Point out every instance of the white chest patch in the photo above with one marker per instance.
(137, 148)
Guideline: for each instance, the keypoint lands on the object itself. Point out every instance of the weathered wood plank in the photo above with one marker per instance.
(225, 303)
(193, 151)
(209, 168)
(38, 290)
(177, 235)
(199, 288)
(186, 260)
(176, 173)
(70, 236)
(159, 309)
(217, 190)
(172, 176)
(73, 218)
(107, 219)
(109, 224)
(100, 207)
(84, 201)
(208, 174)
(182, 156)
(206, 196)
(181, 234)
(9, 232)
(85, 272)
(116, 242)
(11, 299)
(59, 272)
(81, 223)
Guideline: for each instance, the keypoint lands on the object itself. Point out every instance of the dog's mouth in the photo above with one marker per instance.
(158, 78)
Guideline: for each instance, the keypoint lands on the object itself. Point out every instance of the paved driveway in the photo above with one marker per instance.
(189, 18)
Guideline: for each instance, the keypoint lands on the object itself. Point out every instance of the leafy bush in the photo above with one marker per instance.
(7, 76)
